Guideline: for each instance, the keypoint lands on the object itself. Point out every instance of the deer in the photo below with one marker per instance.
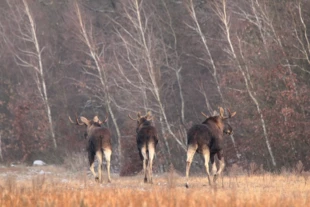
(146, 142)
(99, 143)
(207, 139)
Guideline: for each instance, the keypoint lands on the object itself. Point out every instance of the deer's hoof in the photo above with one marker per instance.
(186, 185)
(145, 180)
(97, 179)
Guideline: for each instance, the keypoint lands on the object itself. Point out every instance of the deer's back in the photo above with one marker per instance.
(203, 136)
(99, 138)
(147, 134)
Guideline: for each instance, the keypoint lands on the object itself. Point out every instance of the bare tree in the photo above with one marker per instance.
(302, 36)
(171, 52)
(221, 11)
(1, 156)
(208, 60)
(29, 53)
(141, 46)
(261, 16)
(99, 69)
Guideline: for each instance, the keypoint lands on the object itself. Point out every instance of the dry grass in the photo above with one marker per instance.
(55, 186)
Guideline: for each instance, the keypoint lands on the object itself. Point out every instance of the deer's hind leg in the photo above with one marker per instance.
(99, 157)
(190, 155)
(221, 165)
(107, 155)
(151, 149)
(206, 156)
(213, 163)
(144, 155)
(91, 159)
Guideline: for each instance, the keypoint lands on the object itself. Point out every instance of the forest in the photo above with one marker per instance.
(174, 58)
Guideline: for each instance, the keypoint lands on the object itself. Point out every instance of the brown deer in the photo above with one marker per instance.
(99, 143)
(146, 142)
(207, 139)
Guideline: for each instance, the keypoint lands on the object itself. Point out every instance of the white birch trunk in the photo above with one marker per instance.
(223, 16)
(152, 75)
(176, 70)
(197, 28)
(181, 96)
(1, 156)
(101, 73)
(163, 132)
(40, 77)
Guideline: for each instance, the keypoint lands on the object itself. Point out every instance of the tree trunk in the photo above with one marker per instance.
(221, 12)
(40, 79)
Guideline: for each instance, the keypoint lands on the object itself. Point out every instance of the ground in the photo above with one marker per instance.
(58, 186)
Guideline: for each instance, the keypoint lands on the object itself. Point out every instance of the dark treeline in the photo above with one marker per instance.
(173, 58)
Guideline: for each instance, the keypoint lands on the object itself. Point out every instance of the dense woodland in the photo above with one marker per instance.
(175, 58)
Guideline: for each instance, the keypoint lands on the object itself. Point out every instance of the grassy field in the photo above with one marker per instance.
(56, 186)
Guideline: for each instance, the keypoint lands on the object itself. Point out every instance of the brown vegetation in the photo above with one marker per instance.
(174, 58)
(58, 187)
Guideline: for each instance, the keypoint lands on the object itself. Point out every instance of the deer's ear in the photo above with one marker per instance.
(221, 112)
(215, 113)
(85, 120)
(96, 119)
(139, 115)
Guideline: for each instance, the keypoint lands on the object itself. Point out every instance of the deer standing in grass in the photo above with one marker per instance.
(99, 143)
(207, 139)
(146, 142)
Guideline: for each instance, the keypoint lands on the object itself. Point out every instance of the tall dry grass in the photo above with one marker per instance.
(63, 189)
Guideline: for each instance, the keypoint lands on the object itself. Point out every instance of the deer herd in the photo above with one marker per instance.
(205, 138)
